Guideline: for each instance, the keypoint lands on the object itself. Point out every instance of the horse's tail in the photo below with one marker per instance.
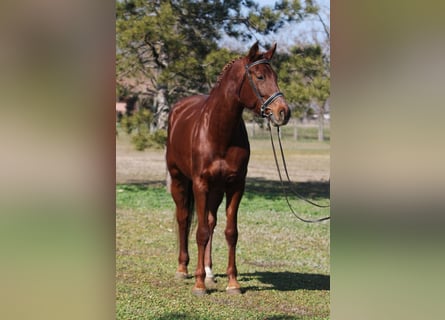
(168, 182)
(191, 210)
(168, 178)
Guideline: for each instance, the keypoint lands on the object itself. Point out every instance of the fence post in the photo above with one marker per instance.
(321, 127)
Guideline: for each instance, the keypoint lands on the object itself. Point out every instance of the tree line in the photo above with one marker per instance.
(166, 50)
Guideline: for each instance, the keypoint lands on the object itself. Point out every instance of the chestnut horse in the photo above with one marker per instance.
(208, 152)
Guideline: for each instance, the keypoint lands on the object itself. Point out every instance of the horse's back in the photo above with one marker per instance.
(181, 123)
(186, 109)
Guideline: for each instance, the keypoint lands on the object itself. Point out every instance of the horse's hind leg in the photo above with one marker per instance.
(181, 190)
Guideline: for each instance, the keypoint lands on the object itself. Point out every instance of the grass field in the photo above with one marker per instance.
(283, 264)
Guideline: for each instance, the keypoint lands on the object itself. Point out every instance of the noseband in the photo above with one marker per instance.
(265, 104)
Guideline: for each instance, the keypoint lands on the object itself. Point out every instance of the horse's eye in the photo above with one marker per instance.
(260, 77)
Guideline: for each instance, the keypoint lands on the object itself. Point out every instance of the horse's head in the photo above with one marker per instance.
(260, 92)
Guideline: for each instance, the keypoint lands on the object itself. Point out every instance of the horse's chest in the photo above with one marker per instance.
(224, 170)
(220, 171)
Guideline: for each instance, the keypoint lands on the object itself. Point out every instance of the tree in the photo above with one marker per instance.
(304, 79)
(168, 49)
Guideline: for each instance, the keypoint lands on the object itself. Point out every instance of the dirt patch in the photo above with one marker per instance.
(305, 162)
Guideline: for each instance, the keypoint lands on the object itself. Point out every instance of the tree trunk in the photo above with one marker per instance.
(162, 109)
(321, 122)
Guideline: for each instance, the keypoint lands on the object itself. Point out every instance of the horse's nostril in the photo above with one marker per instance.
(284, 115)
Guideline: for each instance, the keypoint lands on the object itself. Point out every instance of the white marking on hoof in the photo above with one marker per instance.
(210, 283)
(209, 272)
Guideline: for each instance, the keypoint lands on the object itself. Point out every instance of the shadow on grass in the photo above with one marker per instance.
(138, 185)
(286, 281)
(270, 189)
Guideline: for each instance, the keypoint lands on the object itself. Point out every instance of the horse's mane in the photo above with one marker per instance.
(223, 72)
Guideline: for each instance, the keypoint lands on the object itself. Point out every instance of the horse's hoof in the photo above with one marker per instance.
(199, 292)
(233, 290)
(210, 282)
(181, 275)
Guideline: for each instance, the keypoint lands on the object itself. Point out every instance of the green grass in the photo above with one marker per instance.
(283, 264)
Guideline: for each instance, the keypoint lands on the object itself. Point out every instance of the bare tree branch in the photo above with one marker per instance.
(325, 27)
(154, 52)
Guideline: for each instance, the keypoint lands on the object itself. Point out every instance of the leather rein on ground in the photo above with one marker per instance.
(290, 183)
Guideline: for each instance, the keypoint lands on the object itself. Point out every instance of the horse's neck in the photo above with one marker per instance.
(223, 114)
(223, 111)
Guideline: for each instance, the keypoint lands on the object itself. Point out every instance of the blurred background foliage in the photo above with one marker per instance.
(180, 46)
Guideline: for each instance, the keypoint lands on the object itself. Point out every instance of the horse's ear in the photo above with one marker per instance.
(269, 54)
(253, 52)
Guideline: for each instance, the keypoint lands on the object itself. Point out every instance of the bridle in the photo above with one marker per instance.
(264, 104)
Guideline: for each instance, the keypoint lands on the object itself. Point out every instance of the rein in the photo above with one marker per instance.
(265, 104)
(287, 175)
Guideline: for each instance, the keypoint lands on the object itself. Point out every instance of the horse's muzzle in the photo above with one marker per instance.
(280, 116)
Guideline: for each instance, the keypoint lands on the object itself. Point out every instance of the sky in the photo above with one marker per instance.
(307, 31)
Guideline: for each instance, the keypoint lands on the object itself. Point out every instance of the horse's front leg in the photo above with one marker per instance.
(202, 235)
(214, 200)
(234, 196)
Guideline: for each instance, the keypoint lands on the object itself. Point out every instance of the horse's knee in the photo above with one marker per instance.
(182, 217)
(202, 235)
(231, 235)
